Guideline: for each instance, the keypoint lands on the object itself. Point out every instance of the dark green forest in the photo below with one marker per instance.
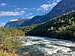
(62, 27)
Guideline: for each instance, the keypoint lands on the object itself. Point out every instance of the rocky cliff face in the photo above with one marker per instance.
(61, 8)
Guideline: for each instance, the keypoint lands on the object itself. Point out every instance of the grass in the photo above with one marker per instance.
(9, 41)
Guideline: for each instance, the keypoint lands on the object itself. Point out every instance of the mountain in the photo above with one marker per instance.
(61, 8)
(15, 23)
(62, 27)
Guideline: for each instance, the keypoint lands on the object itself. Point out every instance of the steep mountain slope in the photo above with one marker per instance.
(60, 27)
(60, 9)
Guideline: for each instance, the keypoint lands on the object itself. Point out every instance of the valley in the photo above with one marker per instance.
(52, 34)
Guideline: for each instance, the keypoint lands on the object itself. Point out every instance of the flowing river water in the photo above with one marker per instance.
(43, 46)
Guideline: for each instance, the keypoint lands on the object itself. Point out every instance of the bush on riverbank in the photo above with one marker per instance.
(9, 40)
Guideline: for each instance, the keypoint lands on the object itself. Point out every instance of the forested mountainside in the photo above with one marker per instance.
(61, 8)
(62, 27)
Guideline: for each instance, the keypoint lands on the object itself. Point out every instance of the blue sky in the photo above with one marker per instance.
(23, 9)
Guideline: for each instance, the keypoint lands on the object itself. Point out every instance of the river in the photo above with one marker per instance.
(44, 46)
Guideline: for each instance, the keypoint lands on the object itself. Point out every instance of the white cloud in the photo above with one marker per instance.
(25, 8)
(51, 1)
(3, 4)
(46, 7)
(23, 11)
(21, 8)
(2, 24)
(10, 13)
(30, 17)
(18, 8)
(14, 20)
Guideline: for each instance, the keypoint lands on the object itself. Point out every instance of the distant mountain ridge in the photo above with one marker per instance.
(60, 9)
(16, 23)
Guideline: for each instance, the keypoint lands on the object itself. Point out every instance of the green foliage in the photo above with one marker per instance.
(10, 38)
(27, 28)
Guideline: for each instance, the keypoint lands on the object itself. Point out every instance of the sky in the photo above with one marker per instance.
(24, 9)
